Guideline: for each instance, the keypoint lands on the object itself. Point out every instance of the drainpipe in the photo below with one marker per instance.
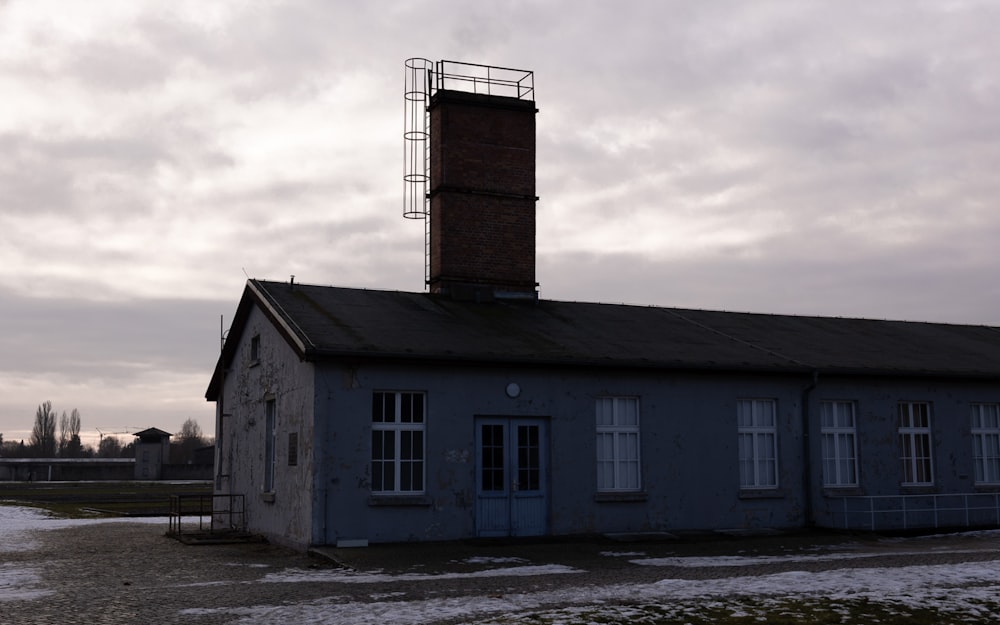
(807, 465)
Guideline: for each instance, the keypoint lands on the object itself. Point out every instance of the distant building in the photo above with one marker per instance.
(152, 451)
(348, 416)
(151, 462)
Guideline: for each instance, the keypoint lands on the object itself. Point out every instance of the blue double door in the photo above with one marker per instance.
(512, 476)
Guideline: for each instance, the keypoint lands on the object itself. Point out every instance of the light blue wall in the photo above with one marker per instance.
(690, 470)
(879, 451)
(688, 438)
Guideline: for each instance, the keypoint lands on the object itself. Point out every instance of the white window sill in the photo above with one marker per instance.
(399, 500)
(621, 496)
(761, 493)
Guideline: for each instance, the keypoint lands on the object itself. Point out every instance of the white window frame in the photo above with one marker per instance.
(915, 443)
(838, 429)
(619, 458)
(254, 349)
(986, 443)
(270, 442)
(757, 432)
(397, 432)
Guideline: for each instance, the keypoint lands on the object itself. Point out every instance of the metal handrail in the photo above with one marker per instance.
(940, 507)
(494, 80)
(232, 514)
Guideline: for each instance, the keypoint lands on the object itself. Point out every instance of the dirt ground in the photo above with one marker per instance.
(132, 573)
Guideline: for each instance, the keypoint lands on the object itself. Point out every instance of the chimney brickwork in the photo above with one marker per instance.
(482, 195)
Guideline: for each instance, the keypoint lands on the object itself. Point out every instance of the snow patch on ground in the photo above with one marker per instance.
(725, 561)
(341, 576)
(20, 583)
(17, 524)
(492, 560)
(969, 588)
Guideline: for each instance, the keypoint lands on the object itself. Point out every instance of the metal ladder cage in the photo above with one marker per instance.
(416, 137)
(417, 149)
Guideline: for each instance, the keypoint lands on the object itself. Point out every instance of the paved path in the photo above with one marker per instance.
(131, 573)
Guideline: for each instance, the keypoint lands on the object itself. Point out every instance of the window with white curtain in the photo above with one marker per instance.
(618, 462)
(986, 442)
(758, 443)
(915, 443)
(840, 448)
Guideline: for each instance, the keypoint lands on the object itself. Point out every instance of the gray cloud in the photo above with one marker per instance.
(807, 157)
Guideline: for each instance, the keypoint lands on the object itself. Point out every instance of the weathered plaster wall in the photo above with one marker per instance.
(689, 452)
(283, 514)
(688, 437)
(880, 472)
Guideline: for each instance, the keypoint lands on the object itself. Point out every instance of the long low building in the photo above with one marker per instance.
(348, 416)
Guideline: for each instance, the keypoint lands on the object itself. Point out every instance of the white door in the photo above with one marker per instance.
(511, 476)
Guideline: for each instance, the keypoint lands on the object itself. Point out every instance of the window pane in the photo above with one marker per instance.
(492, 457)
(617, 443)
(528, 473)
(405, 407)
(991, 418)
(405, 445)
(845, 414)
(746, 460)
(411, 409)
(986, 442)
(397, 448)
(826, 414)
(628, 411)
(630, 475)
(764, 413)
(757, 443)
(605, 475)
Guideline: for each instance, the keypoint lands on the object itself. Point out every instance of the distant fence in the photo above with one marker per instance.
(91, 469)
(906, 512)
(187, 472)
(66, 469)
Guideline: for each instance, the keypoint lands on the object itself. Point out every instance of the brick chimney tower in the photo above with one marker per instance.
(482, 183)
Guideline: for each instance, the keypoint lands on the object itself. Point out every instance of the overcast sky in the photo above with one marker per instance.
(805, 157)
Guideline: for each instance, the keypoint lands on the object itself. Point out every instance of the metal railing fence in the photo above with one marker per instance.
(920, 511)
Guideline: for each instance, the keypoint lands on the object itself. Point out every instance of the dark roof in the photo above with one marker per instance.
(330, 322)
(153, 433)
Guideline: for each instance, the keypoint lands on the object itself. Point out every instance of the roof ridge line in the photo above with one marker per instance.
(675, 313)
(284, 313)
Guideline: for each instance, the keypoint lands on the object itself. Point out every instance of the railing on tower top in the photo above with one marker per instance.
(483, 79)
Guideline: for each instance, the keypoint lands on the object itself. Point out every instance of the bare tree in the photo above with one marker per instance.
(190, 430)
(12, 449)
(187, 441)
(110, 447)
(43, 434)
(73, 447)
(63, 433)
